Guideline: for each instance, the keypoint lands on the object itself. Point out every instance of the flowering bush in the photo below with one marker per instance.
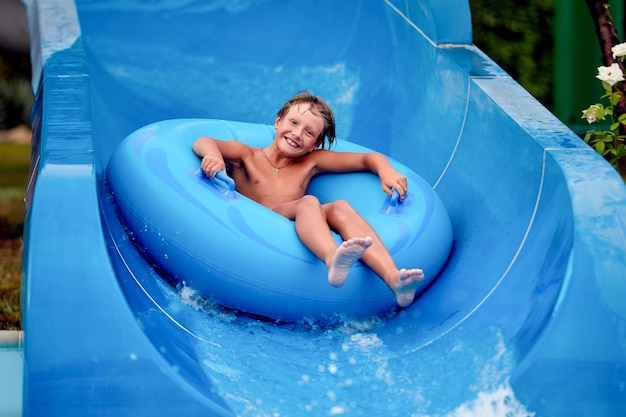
(611, 142)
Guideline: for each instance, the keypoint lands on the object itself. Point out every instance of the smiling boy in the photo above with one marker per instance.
(277, 177)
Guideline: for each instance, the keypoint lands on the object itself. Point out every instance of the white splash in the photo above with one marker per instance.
(495, 403)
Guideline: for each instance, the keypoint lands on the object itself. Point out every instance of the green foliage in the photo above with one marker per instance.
(16, 97)
(517, 34)
(606, 139)
(16, 101)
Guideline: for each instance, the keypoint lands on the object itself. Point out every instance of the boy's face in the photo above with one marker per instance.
(298, 131)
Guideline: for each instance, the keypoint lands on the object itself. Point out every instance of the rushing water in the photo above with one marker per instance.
(345, 367)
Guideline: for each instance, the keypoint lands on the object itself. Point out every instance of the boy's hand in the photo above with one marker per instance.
(393, 179)
(212, 164)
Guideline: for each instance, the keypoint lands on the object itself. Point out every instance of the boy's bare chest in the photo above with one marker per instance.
(268, 187)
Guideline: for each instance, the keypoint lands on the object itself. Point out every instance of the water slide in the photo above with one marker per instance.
(527, 317)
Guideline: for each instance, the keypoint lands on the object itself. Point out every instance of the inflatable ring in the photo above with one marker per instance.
(201, 233)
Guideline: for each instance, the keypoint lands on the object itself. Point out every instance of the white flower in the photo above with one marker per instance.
(610, 74)
(619, 50)
(593, 113)
(591, 117)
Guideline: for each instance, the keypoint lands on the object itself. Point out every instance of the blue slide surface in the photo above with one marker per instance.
(527, 318)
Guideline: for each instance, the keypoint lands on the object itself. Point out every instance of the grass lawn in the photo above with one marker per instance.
(14, 166)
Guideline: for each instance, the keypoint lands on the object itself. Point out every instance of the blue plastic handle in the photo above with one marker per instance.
(230, 183)
(220, 184)
(392, 204)
(395, 198)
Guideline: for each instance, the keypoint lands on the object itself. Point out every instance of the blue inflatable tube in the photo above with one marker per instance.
(203, 235)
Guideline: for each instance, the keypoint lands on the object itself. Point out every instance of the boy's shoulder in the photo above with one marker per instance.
(321, 153)
(235, 149)
(321, 159)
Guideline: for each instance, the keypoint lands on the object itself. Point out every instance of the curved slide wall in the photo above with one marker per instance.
(527, 316)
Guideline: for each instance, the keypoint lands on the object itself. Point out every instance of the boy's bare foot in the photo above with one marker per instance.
(346, 255)
(408, 282)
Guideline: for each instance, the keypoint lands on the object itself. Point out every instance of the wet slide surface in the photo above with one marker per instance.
(526, 317)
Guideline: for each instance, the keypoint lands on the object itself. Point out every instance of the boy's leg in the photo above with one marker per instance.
(346, 221)
(313, 225)
(313, 229)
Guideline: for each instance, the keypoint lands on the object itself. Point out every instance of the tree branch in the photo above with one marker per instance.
(605, 30)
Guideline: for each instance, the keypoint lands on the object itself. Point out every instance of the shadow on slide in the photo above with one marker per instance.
(527, 317)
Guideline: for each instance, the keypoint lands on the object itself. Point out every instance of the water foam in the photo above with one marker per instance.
(497, 402)
(349, 367)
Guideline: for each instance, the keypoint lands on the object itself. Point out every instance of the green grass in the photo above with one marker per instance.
(10, 272)
(14, 166)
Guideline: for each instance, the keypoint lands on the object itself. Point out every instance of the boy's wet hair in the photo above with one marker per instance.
(318, 108)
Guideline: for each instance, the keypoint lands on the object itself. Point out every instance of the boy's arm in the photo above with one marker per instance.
(389, 177)
(329, 161)
(215, 153)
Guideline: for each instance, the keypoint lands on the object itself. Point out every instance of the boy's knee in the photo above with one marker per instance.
(308, 203)
(342, 209)
(310, 200)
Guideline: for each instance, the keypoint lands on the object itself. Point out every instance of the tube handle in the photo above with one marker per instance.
(228, 181)
(392, 204)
